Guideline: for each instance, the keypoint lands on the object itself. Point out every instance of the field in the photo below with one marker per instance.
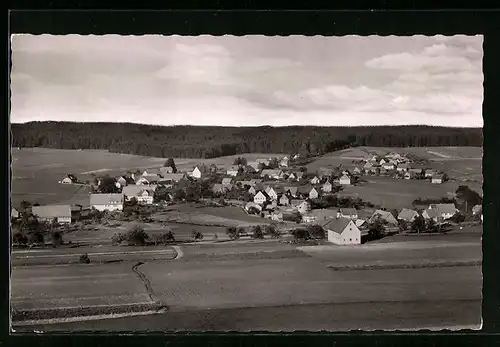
(273, 286)
(38, 287)
(398, 193)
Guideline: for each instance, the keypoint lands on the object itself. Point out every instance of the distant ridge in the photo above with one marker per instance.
(213, 141)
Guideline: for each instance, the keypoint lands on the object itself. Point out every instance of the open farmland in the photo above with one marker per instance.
(40, 287)
(398, 193)
(273, 286)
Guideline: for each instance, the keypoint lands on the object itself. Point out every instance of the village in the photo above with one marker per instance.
(279, 190)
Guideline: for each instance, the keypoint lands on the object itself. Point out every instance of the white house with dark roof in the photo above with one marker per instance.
(444, 211)
(300, 205)
(345, 180)
(49, 213)
(260, 198)
(313, 193)
(109, 202)
(342, 231)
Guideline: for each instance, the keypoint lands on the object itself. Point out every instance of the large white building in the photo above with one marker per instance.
(107, 202)
(343, 231)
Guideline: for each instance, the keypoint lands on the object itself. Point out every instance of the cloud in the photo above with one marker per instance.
(246, 80)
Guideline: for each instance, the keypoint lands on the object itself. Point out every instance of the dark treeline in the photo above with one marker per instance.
(211, 142)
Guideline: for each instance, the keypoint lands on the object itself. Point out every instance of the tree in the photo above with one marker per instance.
(240, 161)
(108, 185)
(300, 234)
(84, 259)
(403, 225)
(196, 235)
(376, 229)
(431, 226)
(272, 231)
(36, 237)
(458, 218)
(316, 232)
(418, 224)
(170, 163)
(25, 205)
(161, 194)
(136, 236)
(257, 232)
(179, 194)
(56, 238)
(19, 238)
(253, 210)
(467, 198)
(233, 233)
(273, 163)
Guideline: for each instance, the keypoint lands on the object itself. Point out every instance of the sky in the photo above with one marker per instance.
(248, 80)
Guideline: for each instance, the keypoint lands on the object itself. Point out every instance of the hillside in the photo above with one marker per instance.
(212, 142)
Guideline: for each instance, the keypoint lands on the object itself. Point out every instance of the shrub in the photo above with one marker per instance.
(36, 237)
(164, 238)
(257, 232)
(19, 238)
(233, 233)
(56, 238)
(136, 236)
(300, 234)
(84, 259)
(117, 238)
(197, 235)
(271, 230)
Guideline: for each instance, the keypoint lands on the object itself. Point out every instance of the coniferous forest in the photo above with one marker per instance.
(212, 141)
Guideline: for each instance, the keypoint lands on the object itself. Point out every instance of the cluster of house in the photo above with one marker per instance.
(399, 165)
(345, 227)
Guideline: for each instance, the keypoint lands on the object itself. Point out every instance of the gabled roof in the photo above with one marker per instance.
(106, 199)
(348, 211)
(172, 177)
(432, 213)
(150, 178)
(403, 166)
(271, 172)
(385, 215)
(262, 193)
(292, 190)
(345, 177)
(132, 190)
(337, 224)
(152, 171)
(444, 208)
(323, 214)
(51, 211)
(439, 177)
(407, 214)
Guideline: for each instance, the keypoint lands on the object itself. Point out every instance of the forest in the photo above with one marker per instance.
(211, 141)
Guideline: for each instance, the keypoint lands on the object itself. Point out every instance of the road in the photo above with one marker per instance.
(247, 287)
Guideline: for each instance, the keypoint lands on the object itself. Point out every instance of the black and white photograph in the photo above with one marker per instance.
(246, 183)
